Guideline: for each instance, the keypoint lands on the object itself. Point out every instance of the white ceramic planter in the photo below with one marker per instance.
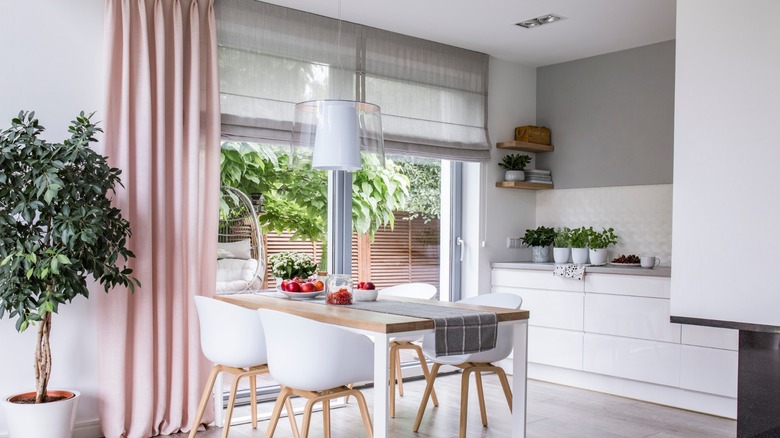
(579, 256)
(514, 175)
(540, 254)
(598, 256)
(561, 255)
(45, 420)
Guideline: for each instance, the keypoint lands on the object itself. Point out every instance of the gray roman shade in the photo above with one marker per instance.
(433, 97)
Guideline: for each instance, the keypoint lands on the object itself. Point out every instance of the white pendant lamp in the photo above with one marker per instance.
(337, 131)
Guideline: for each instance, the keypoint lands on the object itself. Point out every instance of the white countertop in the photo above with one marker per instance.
(659, 271)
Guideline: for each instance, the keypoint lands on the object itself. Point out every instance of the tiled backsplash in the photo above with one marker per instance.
(640, 215)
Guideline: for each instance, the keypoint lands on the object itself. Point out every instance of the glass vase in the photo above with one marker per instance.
(339, 289)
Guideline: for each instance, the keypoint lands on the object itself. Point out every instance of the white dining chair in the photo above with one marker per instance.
(221, 328)
(422, 291)
(476, 363)
(316, 361)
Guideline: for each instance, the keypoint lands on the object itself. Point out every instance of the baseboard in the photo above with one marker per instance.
(83, 429)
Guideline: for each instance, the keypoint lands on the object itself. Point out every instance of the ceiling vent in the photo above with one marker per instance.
(540, 20)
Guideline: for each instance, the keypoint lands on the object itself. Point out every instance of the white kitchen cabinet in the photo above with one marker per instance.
(560, 348)
(611, 332)
(633, 317)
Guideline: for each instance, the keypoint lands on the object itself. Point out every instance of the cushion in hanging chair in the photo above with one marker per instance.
(237, 275)
(241, 249)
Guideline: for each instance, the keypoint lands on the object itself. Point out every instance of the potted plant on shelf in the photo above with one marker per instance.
(514, 164)
(578, 240)
(57, 229)
(539, 240)
(561, 249)
(598, 241)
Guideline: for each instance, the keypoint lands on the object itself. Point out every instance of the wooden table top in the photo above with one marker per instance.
(360, 319)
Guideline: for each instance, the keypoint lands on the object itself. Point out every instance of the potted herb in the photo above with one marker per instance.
(539, 240)
(57, 230)
(578, 240)
(561, 249)
(514, 164)
(598, 241)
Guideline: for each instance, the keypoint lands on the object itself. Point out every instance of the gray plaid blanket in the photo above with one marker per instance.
(458, 331)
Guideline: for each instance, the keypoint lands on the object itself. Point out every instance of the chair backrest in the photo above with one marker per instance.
(423, 291)
(230, 335)
(312, 356)
(504, 337)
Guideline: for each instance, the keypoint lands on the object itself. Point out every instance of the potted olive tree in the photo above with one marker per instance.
(598, 241)
(57, 229)
(578, 240)
(514, 164)
(539, 240)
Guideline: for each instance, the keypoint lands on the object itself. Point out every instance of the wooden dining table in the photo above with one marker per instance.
(382, 327)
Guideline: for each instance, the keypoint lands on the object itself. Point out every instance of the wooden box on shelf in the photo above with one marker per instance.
(533, 134)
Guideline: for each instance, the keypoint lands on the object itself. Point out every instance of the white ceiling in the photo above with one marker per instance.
(592, 27)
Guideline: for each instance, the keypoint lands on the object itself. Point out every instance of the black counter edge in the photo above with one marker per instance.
(725, 324)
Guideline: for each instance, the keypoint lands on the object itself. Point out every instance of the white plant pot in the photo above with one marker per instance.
(540, 254)
(598, 256)
(514, 175)
(561, 255)
(579, 256)
(45, 420)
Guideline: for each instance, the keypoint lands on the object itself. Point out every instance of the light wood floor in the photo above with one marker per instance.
(553, 411)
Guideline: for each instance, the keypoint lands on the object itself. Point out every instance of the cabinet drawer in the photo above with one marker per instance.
(634, 317)
(549, 308)
(534, 280)
(634, 285)
(713, 337)
(637, 359)
(560, 348)
(709, 370)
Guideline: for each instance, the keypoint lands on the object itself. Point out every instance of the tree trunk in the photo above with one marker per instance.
(42, 358)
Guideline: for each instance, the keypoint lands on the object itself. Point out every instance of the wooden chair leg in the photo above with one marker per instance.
(346, 397)
(204, 399)
(253, 399)
(306, 418)
(426, 372)
(283, 399)
(393, 377)
(464, 401)
(364, 413)
(481, 397)
(505, 386)
(231, 404)
(291, 417)
(424, 402)
(326, 418)
(399, 377)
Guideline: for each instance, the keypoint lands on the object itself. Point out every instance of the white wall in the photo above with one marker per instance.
(52, 63)
(501, 212)
(726, 155)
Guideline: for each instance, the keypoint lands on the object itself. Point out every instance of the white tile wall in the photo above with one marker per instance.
(640, 215)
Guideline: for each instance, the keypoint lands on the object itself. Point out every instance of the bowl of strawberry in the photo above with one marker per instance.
(365, 291)
(298, 288)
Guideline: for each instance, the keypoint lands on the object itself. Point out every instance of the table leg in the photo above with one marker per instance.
(519, 379)
(381, 367)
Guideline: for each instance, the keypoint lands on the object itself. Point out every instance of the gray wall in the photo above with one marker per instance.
(611, 117)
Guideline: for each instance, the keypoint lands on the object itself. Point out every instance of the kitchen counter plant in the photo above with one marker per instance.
(539, 240)
(57, 230)
(514, 164)
(561, 248)
(578, 240)
(598, 241)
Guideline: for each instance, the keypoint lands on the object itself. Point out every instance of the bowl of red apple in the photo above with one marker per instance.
(299, 288)
(365, 291)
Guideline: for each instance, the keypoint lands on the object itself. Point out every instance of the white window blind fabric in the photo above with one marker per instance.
(433, 97)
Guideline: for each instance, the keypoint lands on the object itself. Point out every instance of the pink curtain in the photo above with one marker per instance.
(161, 127)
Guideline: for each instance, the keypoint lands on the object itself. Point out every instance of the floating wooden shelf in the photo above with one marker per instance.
(524, 185)
(525, 147)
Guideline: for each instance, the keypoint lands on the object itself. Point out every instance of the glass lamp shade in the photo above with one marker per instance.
(337, 131)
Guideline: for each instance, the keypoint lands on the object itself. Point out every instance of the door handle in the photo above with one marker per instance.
(462, 245)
